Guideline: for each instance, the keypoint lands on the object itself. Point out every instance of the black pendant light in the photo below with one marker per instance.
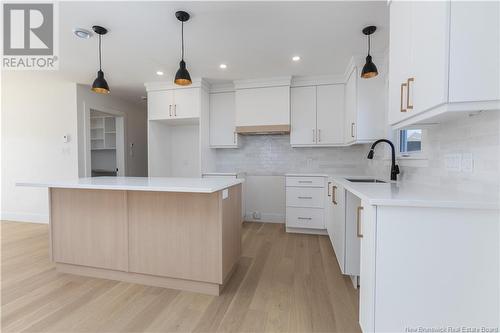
(369, 69)
(100, 85)
(182, 76)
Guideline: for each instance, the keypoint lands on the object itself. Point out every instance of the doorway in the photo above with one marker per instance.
(105, 148)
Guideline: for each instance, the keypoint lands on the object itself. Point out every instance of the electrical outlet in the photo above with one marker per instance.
(467, 163)
(453, 162)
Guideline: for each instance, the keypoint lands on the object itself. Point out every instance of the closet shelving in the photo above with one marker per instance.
(102, 132)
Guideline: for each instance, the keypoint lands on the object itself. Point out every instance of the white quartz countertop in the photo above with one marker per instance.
(161, 184)
(416, 195)
(409, 194)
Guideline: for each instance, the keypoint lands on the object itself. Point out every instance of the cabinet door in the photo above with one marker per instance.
(474, 51)
(429, 63)
(303, 113)
(337, 232)
(330, 114)
(368, 227)
(187, 103)
(352, 244)
(263, 106)
(160, 104)
(222, 120)
(399, 58)
(350, 107)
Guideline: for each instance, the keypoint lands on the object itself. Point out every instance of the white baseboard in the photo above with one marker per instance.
(265, 218)
(24, 217)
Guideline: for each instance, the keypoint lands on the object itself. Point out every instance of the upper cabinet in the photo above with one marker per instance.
(443, 58)
(174, 104)
(263, 106)
(223, 120)
(317, 114)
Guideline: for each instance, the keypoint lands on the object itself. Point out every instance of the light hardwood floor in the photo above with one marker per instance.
(283, 283)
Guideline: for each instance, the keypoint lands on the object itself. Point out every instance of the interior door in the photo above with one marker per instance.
(222, 120)
(187, 103)
(330, 114)
(303, 113)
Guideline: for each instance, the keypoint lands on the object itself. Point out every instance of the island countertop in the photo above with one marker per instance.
(159, 184)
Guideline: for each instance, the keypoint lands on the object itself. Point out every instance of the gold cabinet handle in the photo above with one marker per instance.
(352, 129)
(408, 105)
(329, 183)
(403, 85)
(319, 135)
(358, 222)
(170, 110)
(334, 195)
(175, 110)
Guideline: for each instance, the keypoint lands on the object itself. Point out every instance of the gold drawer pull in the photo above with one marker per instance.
(358, 222)
(305, 197)
(403, 85)
(334, 195)
(408, 106)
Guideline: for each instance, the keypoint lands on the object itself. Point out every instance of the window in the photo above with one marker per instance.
(410, 141)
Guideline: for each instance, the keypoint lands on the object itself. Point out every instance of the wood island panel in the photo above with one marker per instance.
(89, 227)
(175, 235)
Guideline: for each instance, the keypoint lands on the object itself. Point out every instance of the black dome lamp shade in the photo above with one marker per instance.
(369, 69)
(182, 76)
(100, 85)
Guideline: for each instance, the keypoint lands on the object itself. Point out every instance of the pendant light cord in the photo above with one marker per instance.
(182, 40)
(100, 65)
(369, 44)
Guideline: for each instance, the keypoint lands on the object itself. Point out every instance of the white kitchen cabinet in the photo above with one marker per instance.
(342, 228)
(351, 102)
(417, 242)
(222, 121)
(455, 70)
(367, 225)
(330, 114)
(317, 114)
(262, 106)
(303, 115)
(306, 204)
(174, 104)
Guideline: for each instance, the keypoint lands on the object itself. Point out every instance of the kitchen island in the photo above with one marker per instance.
(181, 233)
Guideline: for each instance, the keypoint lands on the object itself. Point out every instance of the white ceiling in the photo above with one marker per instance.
(254, 39)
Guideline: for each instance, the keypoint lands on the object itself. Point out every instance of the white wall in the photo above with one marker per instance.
(135, 128)
(37, 110)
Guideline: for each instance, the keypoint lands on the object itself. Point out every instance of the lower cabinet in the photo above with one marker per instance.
(341, 225)
(428, 267)
(305, 204)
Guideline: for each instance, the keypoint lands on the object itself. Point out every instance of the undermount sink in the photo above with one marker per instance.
(364, 180)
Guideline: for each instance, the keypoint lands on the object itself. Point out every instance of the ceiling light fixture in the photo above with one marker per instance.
(295, 58)
(82, 33)
(100, 85)
(369, 69)
(182, 76)
(222, 66)
(160, 73)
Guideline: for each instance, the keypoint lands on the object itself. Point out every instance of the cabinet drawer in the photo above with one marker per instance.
(312, 197)
(305, 218)
(305, 181)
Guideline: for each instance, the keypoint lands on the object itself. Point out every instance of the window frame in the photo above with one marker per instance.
(415, 155)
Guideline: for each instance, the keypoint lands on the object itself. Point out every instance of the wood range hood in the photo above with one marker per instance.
(263, 129)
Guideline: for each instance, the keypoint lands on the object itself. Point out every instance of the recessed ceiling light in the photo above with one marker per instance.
(295, 58)
(82, 33)
(159, 73)
(222, 66)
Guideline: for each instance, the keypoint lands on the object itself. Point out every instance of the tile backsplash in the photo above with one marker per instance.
(273, 155)
(473, 136)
